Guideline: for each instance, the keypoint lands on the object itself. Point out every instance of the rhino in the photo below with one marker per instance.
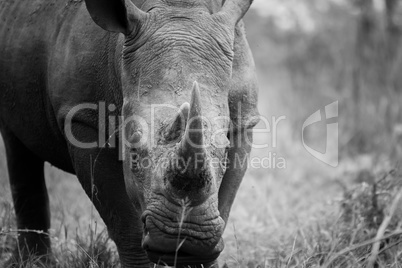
(140, 99)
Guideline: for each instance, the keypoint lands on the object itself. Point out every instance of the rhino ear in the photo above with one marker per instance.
(120, 16)
(234, 10)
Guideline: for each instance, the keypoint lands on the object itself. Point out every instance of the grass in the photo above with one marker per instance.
(342, 234)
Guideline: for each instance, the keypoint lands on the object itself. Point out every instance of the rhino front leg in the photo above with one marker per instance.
(31, 201)
(101, 175)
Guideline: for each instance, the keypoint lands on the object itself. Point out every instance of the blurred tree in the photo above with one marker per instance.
(377, 84)
(364, 50)
(393, 58)
(393, 44)
(391, 6)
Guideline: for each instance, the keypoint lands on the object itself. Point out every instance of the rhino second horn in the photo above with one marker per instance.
(178, 125)
(193, 138)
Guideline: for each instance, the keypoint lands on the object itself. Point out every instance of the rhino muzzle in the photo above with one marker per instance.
(182, 259)
(179, 236)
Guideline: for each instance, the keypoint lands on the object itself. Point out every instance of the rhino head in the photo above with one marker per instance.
(176, 70)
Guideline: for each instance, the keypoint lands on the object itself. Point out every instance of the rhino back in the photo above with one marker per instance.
(52, 57)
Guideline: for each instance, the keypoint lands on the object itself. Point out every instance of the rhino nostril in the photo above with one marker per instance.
(143, 218)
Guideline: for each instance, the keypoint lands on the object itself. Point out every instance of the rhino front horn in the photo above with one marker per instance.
(193, 139)
(194, 176)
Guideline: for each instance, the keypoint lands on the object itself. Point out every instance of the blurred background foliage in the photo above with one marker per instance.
(312, 52)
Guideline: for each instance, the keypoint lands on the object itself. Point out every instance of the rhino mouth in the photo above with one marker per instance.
(181, 259)
(196, 240)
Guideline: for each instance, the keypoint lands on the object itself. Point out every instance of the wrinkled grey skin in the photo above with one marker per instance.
(54, 57)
